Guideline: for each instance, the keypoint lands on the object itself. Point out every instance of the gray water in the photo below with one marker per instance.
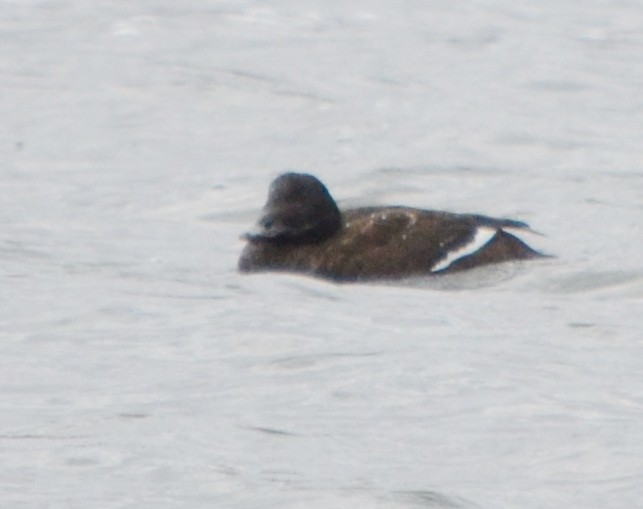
(139, 370)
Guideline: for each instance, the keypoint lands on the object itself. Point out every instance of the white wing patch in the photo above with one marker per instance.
(482, 235)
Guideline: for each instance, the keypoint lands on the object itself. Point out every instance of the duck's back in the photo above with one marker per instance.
(393, 242)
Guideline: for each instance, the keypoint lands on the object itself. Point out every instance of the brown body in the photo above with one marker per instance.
(387, 243)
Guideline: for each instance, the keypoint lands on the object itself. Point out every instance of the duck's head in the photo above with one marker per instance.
(299, 209)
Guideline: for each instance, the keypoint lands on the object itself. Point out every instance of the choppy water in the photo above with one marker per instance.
(138, 369)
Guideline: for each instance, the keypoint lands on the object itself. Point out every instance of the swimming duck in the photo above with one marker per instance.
(302, 230)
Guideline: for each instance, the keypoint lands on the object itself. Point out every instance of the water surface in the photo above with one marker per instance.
(139, 369)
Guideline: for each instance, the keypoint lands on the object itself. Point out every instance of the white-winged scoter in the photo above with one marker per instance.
(302, 230)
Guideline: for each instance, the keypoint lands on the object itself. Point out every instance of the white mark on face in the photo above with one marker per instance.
(479, 240)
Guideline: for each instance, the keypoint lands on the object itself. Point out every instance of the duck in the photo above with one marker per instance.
(302, 230)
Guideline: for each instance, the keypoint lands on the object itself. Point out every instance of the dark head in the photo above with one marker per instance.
(299, 209)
